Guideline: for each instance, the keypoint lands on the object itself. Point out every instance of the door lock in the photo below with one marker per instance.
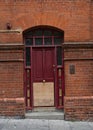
(53, 65)
(44, 81)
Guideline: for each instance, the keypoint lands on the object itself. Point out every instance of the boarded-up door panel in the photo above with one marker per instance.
(43, 94)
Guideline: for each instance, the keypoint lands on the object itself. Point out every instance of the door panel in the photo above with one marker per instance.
(43, 81)
(38, 64)
(43, 61)
(43, 94)
(48, 64)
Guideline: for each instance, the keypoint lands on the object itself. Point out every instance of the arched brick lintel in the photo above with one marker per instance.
(39, 19)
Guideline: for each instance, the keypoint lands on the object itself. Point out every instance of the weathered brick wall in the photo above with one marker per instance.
(11, 81)
(71, 16)
(79, 108)
(80, 83)
(11, 73)
(91, 20)
(12, 37)
(78, 100)
(12, 107)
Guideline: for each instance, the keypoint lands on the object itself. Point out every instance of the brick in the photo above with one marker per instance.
(79, 108)
(64, 14)
(12, 107)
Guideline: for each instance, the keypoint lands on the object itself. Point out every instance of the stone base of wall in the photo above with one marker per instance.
(78, 108)
(12, 107)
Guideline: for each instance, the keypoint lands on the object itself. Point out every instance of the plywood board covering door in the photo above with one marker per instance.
(43, 94)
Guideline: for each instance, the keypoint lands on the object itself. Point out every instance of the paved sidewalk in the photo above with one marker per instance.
(42, 124)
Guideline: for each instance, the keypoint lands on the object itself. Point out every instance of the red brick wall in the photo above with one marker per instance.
(71, 16)
(79, 108)
(80, 83)
(11, 37)
(11, 74)
(92, 20)
(11, 81)
(78, 100)
(12, 107)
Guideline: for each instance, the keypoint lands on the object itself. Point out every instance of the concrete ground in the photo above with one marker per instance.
(43, 124)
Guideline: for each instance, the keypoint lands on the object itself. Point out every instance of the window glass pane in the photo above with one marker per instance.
(38, 32)
(57, 41)
(28, 56)
(30, 33)
(29, 41)
(38, 41)
(59, 55)
(57, 33)
(48, 41)
(47, 33)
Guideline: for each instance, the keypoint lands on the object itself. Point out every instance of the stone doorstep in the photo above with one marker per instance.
(51, 114)
(45, 115)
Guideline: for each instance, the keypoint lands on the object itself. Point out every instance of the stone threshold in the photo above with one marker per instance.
(49, 114)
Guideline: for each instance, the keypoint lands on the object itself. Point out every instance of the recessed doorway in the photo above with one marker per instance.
(44, 67)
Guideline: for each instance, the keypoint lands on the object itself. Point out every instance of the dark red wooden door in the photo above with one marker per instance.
(43, 76)
(43, 61)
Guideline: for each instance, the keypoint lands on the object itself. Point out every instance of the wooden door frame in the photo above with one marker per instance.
(28, 79)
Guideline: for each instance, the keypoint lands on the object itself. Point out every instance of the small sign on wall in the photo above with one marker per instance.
(72, 69)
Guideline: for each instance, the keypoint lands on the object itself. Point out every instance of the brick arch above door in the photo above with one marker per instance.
(39, 19)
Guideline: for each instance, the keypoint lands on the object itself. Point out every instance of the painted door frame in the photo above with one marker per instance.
(28, 78)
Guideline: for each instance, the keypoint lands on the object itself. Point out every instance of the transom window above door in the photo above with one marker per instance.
(44, 36)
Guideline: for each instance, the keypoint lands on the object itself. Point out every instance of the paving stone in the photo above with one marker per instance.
(58, 125)
(91, 124)
(42, 124)
(37, 124)
(80, 126)
(3, 122)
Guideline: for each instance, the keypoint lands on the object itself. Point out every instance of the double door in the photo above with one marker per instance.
(43, 74)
